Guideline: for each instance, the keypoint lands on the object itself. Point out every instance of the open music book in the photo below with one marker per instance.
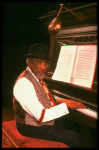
(76, 64)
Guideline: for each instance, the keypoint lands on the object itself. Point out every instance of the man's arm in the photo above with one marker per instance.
(71, 103)
(25, 93)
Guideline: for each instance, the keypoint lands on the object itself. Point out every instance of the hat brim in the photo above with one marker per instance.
(37, 56)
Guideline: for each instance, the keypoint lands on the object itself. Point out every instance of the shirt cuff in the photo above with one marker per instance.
(55, 112)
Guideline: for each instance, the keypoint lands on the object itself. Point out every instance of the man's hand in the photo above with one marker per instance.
(71, 103)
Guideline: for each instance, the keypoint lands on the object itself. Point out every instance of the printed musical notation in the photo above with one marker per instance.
(76, 64)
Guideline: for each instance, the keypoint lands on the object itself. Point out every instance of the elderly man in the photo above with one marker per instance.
(37, 113)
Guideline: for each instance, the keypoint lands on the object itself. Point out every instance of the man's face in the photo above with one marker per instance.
(38, 66)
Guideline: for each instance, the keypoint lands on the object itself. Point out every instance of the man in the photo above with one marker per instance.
(37, 113)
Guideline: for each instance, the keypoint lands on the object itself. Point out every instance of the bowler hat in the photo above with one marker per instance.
(38, 51)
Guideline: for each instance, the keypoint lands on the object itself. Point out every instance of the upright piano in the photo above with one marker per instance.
(74, 31)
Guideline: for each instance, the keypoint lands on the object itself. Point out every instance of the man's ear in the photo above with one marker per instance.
(29, 64)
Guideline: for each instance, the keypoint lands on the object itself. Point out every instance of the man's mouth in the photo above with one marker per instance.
(41, 72)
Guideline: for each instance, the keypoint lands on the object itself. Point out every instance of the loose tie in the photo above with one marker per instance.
(44, 85)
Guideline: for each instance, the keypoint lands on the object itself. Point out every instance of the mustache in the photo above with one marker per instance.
(40, 76)
(42, 70)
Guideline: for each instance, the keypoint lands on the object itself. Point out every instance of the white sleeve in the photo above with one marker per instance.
(55, 112)
(25, 94)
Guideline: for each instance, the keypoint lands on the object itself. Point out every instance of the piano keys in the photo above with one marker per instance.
(88, 116)
(86, 111)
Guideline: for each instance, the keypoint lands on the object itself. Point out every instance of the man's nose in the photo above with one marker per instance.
(43, 67)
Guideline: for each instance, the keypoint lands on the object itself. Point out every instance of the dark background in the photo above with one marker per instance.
(20, 28)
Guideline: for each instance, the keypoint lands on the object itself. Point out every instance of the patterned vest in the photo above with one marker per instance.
(21, 116)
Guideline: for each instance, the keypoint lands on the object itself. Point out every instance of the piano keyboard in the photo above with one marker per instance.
(88, 112)
(85, 111)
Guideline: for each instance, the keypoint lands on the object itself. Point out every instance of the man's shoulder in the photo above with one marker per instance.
(23, 74)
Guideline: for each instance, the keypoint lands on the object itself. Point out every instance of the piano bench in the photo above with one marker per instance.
(11, 138)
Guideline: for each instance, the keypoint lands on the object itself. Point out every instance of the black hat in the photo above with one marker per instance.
(38, 51)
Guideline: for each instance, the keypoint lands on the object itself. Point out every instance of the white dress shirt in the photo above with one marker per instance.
(25, 94)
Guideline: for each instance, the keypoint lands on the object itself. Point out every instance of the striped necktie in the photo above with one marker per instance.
(44, 85)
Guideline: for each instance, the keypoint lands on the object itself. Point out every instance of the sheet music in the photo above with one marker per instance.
(76, 64)
(65, 63)
(85, 65)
